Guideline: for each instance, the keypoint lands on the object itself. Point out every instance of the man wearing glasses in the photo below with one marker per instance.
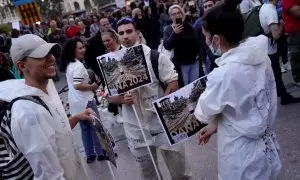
(141, 99)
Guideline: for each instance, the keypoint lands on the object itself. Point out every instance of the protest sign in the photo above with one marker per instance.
(106, 140)
(124, 70)
(15, 25)
(176, 111)
(120, 3)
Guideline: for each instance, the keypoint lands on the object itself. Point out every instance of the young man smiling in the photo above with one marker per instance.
(40, 131)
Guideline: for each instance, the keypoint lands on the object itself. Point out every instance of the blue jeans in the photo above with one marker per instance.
(89, 137)
(190, 72)
(207, 66)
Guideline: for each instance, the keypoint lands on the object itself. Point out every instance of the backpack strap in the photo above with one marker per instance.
(254, 9)
(13, 164)
(35, 99)
(154, 57)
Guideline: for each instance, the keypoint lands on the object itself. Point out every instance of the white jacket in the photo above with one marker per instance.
(143, 98)
(241, 97)
(45, 140)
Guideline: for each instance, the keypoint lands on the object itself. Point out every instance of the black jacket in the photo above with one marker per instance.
(94, 49)
(185, 45)
(5, 74)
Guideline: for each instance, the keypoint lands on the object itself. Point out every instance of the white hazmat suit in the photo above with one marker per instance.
(45, 139)
(241, 92)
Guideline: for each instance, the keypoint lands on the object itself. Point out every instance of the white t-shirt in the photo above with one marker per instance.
(76, 74)
(267, 16)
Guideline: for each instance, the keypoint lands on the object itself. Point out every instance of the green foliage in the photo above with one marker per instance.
(5, 28)
(50, 8)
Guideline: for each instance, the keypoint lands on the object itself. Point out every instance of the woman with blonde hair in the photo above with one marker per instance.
(111, 42)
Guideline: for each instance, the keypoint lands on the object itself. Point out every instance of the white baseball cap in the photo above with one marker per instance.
(33, 46)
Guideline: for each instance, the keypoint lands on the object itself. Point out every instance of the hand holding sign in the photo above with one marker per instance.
(128, 100)
(176, 113)
(205, 133)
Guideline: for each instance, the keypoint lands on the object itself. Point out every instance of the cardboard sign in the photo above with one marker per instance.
(29, 13)
(176, 112)
(125, 70)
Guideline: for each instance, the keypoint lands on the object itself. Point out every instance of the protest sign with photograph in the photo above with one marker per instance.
(176, 111)
(124, 70)
(106, 140)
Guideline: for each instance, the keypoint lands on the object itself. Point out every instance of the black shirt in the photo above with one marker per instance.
(5, 74)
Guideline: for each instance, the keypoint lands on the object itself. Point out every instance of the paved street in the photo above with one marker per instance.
(203, 159)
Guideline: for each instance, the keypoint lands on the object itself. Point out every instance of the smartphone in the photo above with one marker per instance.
(178, 21)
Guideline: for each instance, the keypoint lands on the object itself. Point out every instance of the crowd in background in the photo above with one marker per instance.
(153, 20)
(195, 41)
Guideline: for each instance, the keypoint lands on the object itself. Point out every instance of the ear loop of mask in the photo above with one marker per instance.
(217, 51)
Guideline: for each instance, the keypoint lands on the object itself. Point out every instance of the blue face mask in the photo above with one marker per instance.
(216, 52)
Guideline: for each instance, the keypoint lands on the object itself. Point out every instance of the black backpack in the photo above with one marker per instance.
(13, 164)
(252, 26)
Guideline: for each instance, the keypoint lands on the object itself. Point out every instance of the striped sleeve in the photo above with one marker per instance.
(78, 74)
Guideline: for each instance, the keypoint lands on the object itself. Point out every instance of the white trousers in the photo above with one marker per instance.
(173, 158)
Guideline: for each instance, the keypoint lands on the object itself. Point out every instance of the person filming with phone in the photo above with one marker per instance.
(182, 38)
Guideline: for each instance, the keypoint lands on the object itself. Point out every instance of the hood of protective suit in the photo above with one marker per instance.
(12, 89)
(252, 51)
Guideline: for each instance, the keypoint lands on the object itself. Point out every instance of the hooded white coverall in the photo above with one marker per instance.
(174, 157)
(242, 93)
(45, 140)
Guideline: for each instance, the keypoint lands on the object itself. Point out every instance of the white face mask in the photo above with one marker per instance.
(216, 52)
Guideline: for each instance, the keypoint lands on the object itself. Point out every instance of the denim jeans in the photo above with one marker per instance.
(190, 72)
(89, 137)
(207, 65)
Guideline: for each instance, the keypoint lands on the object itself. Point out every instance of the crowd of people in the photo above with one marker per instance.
(239, 103)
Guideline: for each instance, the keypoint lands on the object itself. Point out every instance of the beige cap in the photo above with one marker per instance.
(33, 46)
